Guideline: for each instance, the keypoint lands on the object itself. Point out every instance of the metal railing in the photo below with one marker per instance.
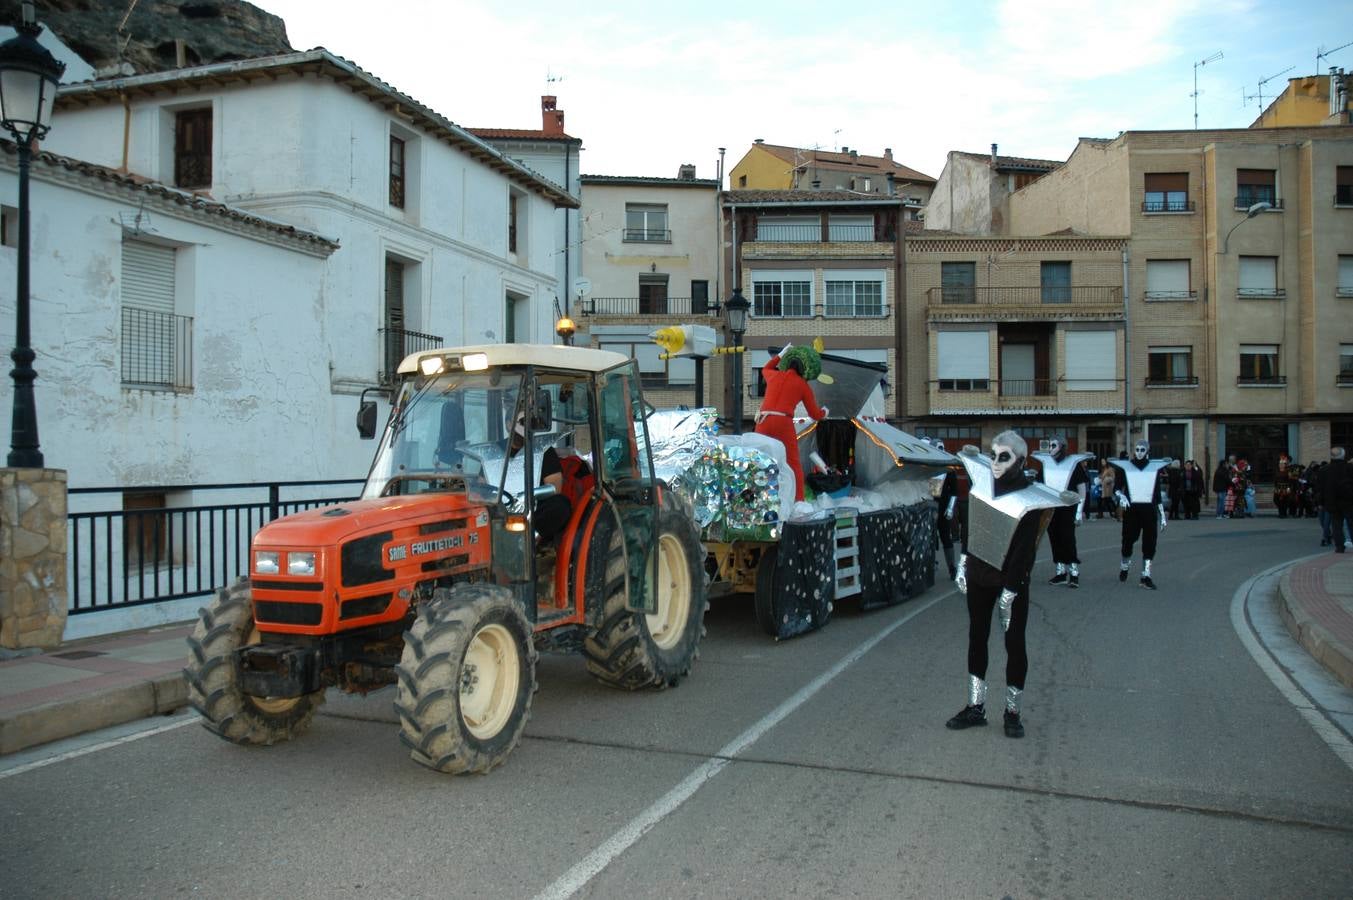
(1344, 197)
(649, 235)
(849, 234)
(1152, 296)
(1167, 206)
(1273, 293)
(119, 558)
(642, 306)
(1025, 387)
(157, 349)
(1264, 381)
(789, 234)
(1031, 295)
(1344, 378)
(396, 343)
(1245, 201)
(1173, 381)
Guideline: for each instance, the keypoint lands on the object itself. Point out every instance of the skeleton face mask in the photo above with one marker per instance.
(1141, 449)
(1055, 447)
(1003, 458)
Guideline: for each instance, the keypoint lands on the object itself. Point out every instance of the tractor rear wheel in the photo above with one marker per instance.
(213, 677)
(764, 597)
(466, 679)
(634, 650)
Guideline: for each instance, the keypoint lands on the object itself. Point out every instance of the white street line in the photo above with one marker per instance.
(94, 748)
(577, 877)
(1326, 730)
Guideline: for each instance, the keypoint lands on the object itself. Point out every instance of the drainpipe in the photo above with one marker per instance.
(900, 306)
(1127, 353)
(126, 129)
(568, 249)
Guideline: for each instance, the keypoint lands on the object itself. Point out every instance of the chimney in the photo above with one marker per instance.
(552, 120)
(855, 154)
(759, 141)
(993, 154)
(892, 184)
(888, 153)
(845, 149)
(686, 172)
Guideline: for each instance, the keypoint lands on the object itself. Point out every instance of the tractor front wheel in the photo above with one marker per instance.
(466, 679)
(213, 677)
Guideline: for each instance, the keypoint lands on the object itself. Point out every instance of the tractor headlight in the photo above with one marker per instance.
(301, 563)
(266, 562)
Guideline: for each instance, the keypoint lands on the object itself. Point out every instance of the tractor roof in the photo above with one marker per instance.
(554, 356)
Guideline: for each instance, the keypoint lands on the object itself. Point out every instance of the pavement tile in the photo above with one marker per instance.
(37, 675)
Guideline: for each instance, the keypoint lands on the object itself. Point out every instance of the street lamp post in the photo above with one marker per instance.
(29, 76)
(1250, 213)
(735, 313)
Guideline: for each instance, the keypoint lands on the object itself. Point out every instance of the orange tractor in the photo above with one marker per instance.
(438, 580)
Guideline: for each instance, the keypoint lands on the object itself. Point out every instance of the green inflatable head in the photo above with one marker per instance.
(807, 357)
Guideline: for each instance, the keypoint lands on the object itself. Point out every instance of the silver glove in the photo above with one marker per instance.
(1080, 514)
(1122, 499)
(1005, 605)
(949, 510)
(961, 574)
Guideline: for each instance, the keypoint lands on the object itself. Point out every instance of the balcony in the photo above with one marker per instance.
(1037, 396)
(1245, 201)
(1344, 197)
(1264, 293)
(396, 343)
(1265, 381)
(1344, 379)
(643, 306)
(1167, 206)
(1176, 381)
(1169, 296)
(985, 304)
(648, 236)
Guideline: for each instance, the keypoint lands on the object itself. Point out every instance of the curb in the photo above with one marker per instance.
(1313, 636)
(115, 706)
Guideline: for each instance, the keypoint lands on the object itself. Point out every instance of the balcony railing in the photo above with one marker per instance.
(1245, 201)
(1261, 293)
(1025, 387)
(1167, 206)
(1036, 395)
(790, 234)
(1344, 197)
(1173, 381)
(397, 344)
(157, 349)
(1267, 381)
(1085, 295)
(1160, 296)
(1344, 379)
(643, 306)
(648, 235)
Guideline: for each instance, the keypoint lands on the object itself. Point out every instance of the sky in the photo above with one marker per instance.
(648, 87)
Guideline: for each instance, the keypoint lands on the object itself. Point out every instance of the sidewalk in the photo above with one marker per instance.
(91, 684)
(1315, 600)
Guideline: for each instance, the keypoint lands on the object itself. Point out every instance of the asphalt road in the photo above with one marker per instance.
(1160, 761)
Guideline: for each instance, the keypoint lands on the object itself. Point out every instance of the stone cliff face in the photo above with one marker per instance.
(211, 31)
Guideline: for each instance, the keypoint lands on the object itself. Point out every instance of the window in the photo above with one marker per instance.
(653, 371)
(1345, 378)
(646, 222)
(742, 181)
(958, 282)
(788, 294)
(1259, 364)
(1345, 287)
(1167, 192)
(192, 149)
(396, 172)
(964, 360)
(1255, 186)
(1170, 366)
(854, 294)
(1343, 186)
(1259, 278)
(652, 294)
(954, 436)
(1100, 440)
(850, 228)
(1091, 360)
(511, 222)
(156, 341)
(1341, 433)
(1168, 279)
(145, 530)
(1055, 281)
(789, 229)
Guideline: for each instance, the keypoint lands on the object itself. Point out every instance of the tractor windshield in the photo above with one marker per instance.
(453, 424)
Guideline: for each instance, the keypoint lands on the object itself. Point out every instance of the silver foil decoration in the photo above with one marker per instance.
(1012, 696)
(992, 520)
(977, 691)
(1057, 475)
(1141, 483)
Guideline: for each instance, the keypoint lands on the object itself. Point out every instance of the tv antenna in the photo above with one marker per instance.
(1260, 96)
(1202, 62)
(1322, 53)
(551, 78)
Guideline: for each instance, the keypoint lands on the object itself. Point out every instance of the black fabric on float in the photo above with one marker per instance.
(805, 577)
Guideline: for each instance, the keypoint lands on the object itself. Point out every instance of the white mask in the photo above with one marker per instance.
(1141, 450)
(1002, 459)
(1055, 447)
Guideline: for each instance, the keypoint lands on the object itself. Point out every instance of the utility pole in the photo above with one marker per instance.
(1202, 62)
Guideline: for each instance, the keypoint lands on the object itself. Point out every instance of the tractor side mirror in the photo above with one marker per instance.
(543, 417)
(366, 420)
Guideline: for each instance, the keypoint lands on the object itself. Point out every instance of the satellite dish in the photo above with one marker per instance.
(582, 287)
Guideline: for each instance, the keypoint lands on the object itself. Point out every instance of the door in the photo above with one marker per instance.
(1017, 370)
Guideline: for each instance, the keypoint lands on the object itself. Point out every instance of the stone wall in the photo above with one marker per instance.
(32, 558)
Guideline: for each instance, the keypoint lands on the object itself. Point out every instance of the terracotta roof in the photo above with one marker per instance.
(1016, 162)
(187, 199)
(520, 134)
(652, 180)
(829, 159)
(316, 62)
(819, 198)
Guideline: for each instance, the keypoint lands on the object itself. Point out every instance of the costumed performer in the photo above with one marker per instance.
(787, 374)
(1063, 471)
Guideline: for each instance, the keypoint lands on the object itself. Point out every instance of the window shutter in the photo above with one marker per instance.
(1258, 273)
(1346, 273)
(1167, 276)
(148, 276)
(964, 354)
(1167, 181)
(1091, 360)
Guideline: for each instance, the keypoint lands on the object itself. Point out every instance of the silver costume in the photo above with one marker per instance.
(1057, 475)
(992, 520)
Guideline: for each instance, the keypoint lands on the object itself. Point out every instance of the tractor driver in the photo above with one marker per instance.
(569, 475)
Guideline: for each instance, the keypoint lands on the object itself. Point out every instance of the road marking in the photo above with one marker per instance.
(94, 748)
(1324, 728)
(577, 877)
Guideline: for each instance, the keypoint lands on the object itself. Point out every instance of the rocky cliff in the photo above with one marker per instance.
(158, 34)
